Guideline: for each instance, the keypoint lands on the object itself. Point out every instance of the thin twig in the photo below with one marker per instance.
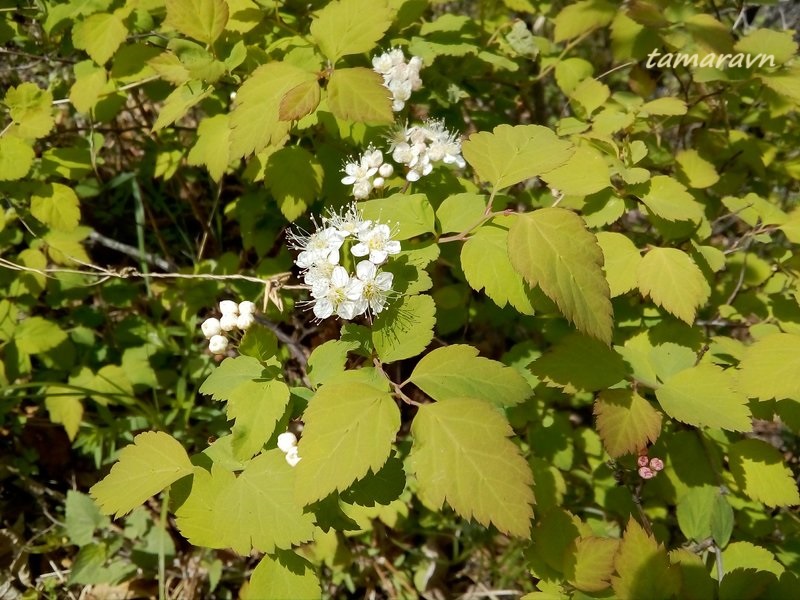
(148, 257)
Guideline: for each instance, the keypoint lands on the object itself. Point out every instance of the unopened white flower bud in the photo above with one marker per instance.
(287, 441)
(229, 321)
(218, 344)
(247, 307)
(385, 170)
(227, 307)
(210, 327)
(244, 321)
(378, 183)
(292, 457)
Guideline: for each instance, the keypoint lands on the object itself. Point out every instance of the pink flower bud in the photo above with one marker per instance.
(642, 460)
(656, 464)
(646, 473)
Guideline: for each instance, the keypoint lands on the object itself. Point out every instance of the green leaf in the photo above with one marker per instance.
(770, 366)
(664, 107)
(695, 170)
(578, 362)
(408, 215)
(349, 429)
(590, 94)
(721, 521)
(35, 335)
(260, 343)
(286, 577)
(509, 155)
(668, 199)
(460, 212)
(621, 260)
(705, 396)
(581, 17)
(100, 35)
(299, 101)
(643, 569)
(461, 454)
(779, 45)
(90, 83)
(256, 510)
(744, 555)
(203, 20)
(328, 359)
(180, 101)
(673, 281)
(487, 265)
(589, 566)
(294, 176)
(82, 518)
(405, 328)
(585, 173)
(382, 487)
(358, 95)
(56, 206)
(64, 407)
(154, 461)
(346, 27)
(457, 371)
(16, 158)
(694, 512)
(211, 147)
(31, 110)
(255, 121)
(626, 422)
(551, 248)
(760, 473)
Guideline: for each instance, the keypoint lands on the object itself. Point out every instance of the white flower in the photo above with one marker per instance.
(337, 296)
(210, 327)
(244, 321)
(247, 307)
(218, 344)
(292, 457)
(287, 441)
(357, 171)
(318, 274)
(228, 307)
(228, 322)
(361, 189)
(377, 244)
(350, 222)
(323, 245)
(399, 77)
(377, 285)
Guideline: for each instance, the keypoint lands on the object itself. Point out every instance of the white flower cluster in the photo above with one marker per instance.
(234, 316)
(420, 146)
(287, 443)
(334, 290)
(367, 173)
(399, 77)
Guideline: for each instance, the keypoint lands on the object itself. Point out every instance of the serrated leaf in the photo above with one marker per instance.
(90, 83)
(459, 212)
(180, 101)
(664, 107)
(643, 568)
(668, 199)
(405, 328)
(457, 371)
(328, 359)
(770, 366)
(349, 429)
(705, 396)
(31, 110)
(585, 173)
(211, 147)
(745, 555)
(551, 248)
(673, 281)
(203, 20)
(100, 35)
(382, 487)
(461, 454)
(626, 422)
(621, 259)
(255, 120)
(294, 176)
(509, 155)
(581, 17)
(487, 266)
(357, 94)
(82, 518)
(589, 565)
(256, 510)
(578, 362)
(346, 27)
(16, 158)
(299, 101)
(286, 577)
(695, 170)
(35, 335)
(591, 95)
(56, 206)
(64, 406)
(780, 45)
(154, 461)
(408, 215)
(760, 473)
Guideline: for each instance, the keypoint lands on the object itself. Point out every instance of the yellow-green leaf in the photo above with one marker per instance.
(551, 248)
(578, 18)
(294, 176)
(357, 94)
(589, 565)
(346, 27)
(621, 259)
(770, 367)
(668, 199)
(673, 281)
(695, 170)
(578, 362)
(100, 35)
(31, 110)
(410, 214)
(585, 173)
(405, 328)
(203, 20)
(90, 82)
(285, 577)
(179, 102)
(509, 155)
(761, 474)
(56, 206)
(35, 335)
(643, 567)
(779, 45)
(64, 407)
(299, 101)
(664, 107)
(461, 455)
(211, 147)
(151, 463)
(16, 158)
(626, 422)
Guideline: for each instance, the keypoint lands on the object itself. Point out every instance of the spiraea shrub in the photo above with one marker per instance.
(399, 299)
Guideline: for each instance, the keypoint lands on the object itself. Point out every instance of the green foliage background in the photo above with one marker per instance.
(613, 274)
